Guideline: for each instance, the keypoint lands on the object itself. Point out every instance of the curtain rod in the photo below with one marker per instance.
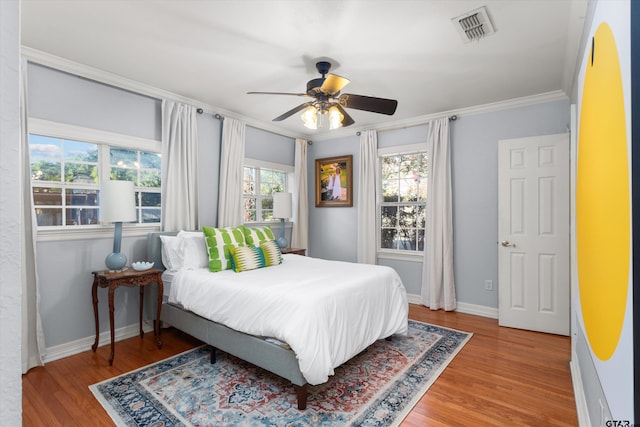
(451, 119)
(217, 116)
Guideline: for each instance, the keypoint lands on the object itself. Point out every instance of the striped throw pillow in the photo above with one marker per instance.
(272, 254)
(244, 258)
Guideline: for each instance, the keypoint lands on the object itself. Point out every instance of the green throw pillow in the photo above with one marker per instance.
(272, 254)
(246, 258)
(255, 236)
(219, 241)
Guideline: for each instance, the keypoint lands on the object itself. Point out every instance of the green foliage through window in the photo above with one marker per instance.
(403, 201)
(258, 188)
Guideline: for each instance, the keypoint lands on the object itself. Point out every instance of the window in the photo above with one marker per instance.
(143, 168)
(260, 182)
(66, 175)
(403, 198)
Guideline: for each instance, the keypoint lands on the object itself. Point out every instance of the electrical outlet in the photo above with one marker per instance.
(488, 285)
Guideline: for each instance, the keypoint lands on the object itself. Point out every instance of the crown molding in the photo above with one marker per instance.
(557, 95)
(102, 76)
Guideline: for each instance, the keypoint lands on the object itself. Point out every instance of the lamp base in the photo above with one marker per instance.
(282, 242)
(115, 261)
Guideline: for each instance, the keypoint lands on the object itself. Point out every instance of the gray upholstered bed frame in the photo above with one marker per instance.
(256, 350)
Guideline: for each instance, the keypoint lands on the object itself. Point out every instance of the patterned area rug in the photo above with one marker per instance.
(376, 388)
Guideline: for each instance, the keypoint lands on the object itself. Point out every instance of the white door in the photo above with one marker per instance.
(533, 233)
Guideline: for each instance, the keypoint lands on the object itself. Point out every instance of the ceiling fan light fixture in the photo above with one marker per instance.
(310, 117)
(328, 104)
(314, 117)
(335, 118)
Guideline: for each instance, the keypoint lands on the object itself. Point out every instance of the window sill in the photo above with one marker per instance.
(272, 224)
(52, 234)
(400, 256)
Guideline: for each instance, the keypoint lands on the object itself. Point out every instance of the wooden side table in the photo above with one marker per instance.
(129, 278)
(295, 251)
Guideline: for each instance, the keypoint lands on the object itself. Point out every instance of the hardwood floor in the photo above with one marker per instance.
(501, 377)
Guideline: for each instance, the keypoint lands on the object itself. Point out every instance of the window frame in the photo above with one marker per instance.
(398, 150)
(279, 167)
(105, 140)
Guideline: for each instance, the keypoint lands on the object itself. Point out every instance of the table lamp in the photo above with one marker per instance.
(117, 205)
(282, 210)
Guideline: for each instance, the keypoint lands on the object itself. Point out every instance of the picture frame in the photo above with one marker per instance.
(327, 193)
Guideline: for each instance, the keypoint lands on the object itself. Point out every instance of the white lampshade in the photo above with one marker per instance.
(282, 205)
(117, 202)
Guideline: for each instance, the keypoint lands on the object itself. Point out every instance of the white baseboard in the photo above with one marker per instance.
(78, 346)
(478, 310)
(578, 393)
(462, 307)
(414, 299)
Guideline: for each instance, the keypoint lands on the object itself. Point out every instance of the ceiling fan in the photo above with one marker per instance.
(327, 101)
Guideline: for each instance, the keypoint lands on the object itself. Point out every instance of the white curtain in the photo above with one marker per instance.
(230, 210)
(33, 345)
(367, 242)
(179, 167)
(438, 288)
(300, 232)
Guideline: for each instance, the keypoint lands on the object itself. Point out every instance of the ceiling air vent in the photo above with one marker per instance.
(474, 25)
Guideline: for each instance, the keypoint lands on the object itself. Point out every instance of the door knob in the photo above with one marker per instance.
(506, 244)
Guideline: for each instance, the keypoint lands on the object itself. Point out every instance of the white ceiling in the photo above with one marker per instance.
(215, 51)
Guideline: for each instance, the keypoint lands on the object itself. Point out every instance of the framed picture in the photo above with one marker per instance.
(334, 181)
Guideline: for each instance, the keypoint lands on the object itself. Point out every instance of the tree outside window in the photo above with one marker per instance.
(258, 188)
(144, 169)
(403, 201)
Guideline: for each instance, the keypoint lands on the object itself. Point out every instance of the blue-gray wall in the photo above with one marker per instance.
(269, 147)
(332, 230)
(66, 98)
(474, 156)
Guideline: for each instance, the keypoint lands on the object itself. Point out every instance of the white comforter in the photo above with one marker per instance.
(327, 311)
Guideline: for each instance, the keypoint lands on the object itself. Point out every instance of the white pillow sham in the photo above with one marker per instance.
(171, 254)
(193, 249)
(187, 249)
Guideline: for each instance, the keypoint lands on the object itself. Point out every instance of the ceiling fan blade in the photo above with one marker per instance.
(292, 112)
(369, 103)
(333, 84)
(348, 120)
(276, 93)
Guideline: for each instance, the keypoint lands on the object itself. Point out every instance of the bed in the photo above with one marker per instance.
(299, 319)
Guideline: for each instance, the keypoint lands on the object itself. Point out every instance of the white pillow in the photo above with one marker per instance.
(193, 249)
(171, 254)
